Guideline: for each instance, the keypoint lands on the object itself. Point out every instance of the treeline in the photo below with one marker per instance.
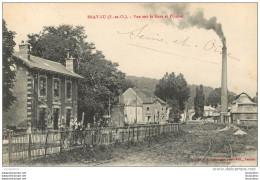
(212, 96)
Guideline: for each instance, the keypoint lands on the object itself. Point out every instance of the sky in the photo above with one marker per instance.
(146, 43)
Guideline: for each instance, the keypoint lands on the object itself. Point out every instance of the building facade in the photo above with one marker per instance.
(243, 110)
(208, 111)
(46, 92)
(142, 107)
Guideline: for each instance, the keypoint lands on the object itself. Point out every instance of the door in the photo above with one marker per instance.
(56, 115)
(42, 115)
(68, 117)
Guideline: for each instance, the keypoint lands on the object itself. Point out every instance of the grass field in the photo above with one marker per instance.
(193, 145)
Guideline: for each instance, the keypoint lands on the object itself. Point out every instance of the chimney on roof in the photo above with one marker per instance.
(69, 62)
(24, 49)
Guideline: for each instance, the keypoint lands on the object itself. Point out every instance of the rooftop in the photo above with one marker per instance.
(46, 65)
(145, 96)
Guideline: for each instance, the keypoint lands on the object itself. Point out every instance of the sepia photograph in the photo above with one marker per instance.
(129, 85)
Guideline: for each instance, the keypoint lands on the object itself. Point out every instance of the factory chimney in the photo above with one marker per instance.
(224, 100)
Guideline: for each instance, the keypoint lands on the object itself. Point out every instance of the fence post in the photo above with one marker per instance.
(122, 135)
(128, 133)
(92, 140)
(9, 147)
(46, 141)
(134, 133)
(137, 133)
(60, 142)
(29, 146)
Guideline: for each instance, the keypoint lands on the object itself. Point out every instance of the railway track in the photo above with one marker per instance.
(229, 154)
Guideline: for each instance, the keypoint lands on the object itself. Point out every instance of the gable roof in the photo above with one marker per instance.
(44, 64)
(243, 104)
(145, 97)
(243, 98)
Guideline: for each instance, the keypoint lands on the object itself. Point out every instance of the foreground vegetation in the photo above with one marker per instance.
(187, 147)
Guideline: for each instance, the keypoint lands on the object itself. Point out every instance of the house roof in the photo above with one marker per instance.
(144, 96)
(44, 64)
(243, 104)
(243, 98)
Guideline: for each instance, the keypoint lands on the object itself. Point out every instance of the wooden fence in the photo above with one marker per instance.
(27, 146)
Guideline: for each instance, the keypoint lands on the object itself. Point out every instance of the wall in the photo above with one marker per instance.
(161, 108)
(117, 115)
(62, 103)
(18, 111)
(208, 113)
(130, 111)
(246, 122)
(242, 116)
(142, 110)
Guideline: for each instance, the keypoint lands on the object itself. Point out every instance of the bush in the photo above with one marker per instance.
(194, 117)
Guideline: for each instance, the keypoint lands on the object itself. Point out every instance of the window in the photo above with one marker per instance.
(147, 108)
(56, 88)
(68, 89)
(42, 86)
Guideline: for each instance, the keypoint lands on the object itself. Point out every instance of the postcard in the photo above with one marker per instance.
(129, 85)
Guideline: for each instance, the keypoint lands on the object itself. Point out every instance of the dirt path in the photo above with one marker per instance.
(201, 146)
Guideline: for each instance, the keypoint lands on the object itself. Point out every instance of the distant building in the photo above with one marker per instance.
(216, 114)
(46, 92)
(244, 110)
(142, 107)
(208, 111)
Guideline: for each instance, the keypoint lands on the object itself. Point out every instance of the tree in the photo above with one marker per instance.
(173, 89)
(214, 98)
(102, 79)
(53, 42)
(9, 75)
(199, 102)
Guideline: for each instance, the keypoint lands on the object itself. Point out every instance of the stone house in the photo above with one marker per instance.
(46, 92)
(208, 111)
(142, 107)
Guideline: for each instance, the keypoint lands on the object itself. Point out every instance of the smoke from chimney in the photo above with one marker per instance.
(195, 20)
